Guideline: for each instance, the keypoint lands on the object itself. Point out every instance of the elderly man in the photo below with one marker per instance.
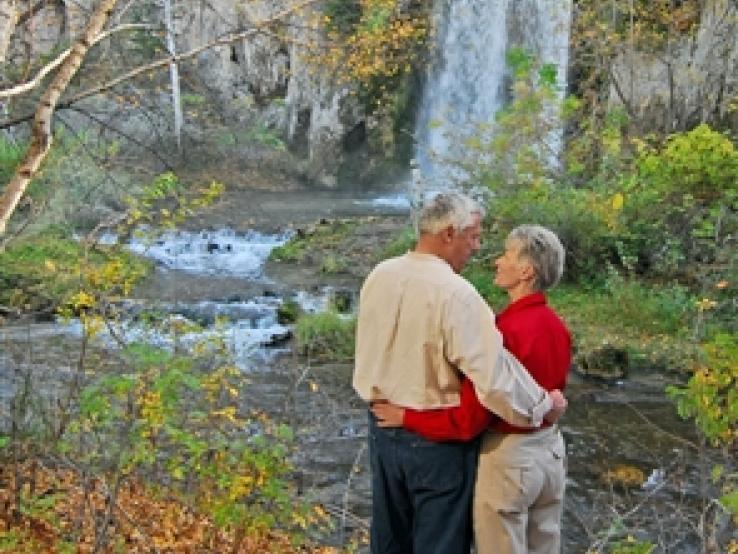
(421, 329)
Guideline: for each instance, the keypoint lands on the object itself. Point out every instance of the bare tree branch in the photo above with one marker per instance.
(33, 83)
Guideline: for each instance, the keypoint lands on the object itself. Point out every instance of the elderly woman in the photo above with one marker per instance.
(519, 491)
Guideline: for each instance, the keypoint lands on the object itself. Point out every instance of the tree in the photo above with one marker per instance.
(377, 46)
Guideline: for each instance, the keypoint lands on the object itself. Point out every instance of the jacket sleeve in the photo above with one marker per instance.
(474, 345)
(462, 423)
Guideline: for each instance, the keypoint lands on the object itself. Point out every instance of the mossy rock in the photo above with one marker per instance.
(342, 301)
(288, 312)
(607, 362)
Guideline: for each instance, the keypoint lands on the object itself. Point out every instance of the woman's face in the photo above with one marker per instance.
(510, 269)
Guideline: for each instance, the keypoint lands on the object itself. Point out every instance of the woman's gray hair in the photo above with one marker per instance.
(543, 249)
(448, 208)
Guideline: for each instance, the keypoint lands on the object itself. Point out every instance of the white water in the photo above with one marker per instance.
(466, 80)
(249, 328)
(222, 252)
(464, 86)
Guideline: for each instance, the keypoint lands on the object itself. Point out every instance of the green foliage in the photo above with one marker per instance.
(332, 264)
(514, 151)
(400, 244)
(631, 545)
(582, 218)
(44, 270)
(681, 201)
(176, 419)
(324, 235)
(342, 16)
(11, 155)
(668, 211)
(193, 100)
(9, 540)
(291, 251)
(288, 312)
(479, 274)
(166, 202)
(711, 394)
(326, 335)
(261, 134)
(730, 501)
(650, 322)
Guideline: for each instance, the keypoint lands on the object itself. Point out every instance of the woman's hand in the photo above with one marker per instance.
(388, 415)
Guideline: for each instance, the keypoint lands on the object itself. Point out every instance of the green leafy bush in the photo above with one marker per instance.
(10, 156)
(681, 203)
(711, 394)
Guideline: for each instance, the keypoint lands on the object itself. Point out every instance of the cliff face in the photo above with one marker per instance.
(263, 79)
(268, 78)
(693, 80)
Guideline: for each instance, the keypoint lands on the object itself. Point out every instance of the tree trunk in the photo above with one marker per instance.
(41, 132)
(173, 74)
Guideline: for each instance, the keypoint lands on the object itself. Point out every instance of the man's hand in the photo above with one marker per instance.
(388, 415)
(558, 408)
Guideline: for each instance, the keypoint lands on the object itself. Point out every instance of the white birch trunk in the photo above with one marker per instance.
(173, 74)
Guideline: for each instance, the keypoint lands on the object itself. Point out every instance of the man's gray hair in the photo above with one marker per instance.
(543, 249)
(448, 208)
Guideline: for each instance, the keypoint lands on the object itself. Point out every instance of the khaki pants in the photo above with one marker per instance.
(519, 493)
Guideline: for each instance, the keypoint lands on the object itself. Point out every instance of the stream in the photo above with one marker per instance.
(216, 266)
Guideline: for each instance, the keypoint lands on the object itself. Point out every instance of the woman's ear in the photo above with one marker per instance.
(528, 272)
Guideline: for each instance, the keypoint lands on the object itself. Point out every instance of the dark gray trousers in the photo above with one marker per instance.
(421, 493)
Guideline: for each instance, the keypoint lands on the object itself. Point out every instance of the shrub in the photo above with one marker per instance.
(400, 244)
(326, 335)
(681, 203)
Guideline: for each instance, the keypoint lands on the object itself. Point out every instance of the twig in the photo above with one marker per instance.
(347, 492)
(672, 436)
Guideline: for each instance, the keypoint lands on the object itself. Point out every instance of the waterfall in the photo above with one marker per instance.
(466, 80)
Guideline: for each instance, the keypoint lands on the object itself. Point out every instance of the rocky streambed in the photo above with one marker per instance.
(634, 468)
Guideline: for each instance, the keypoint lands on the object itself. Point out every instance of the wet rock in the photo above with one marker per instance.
(288, 312)
(342, 300)
(607, 362)
(277, 339)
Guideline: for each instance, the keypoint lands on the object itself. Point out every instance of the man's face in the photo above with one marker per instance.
(465, 243)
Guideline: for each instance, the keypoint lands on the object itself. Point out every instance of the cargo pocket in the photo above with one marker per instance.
(507, 490)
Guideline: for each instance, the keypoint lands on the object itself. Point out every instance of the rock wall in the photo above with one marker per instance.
(694, 80)
(263, 79)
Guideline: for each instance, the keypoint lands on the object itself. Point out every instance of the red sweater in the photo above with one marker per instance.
(538, 338)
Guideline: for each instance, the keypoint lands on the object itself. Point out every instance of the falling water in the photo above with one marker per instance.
(466, 81)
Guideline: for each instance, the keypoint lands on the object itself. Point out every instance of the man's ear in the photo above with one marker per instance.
(448, 233)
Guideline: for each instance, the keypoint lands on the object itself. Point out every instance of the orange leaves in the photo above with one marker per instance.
(384, 43)
(61, 511)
